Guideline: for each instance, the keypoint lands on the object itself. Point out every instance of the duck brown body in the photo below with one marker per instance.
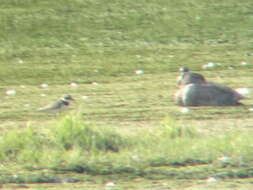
(194, 90)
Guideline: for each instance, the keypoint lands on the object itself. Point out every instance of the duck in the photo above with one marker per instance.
(195, 90)
(208, 94)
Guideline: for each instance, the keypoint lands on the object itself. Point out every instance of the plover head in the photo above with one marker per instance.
(67, 98)
(184, 69)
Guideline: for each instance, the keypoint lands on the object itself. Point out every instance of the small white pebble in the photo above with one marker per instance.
(43, 95)
(209, 65)
(211, 180)
(197, 18)
(139, 72)
(73, 84)
(85, 97)
(250, 109)
(27, 105)
(94, 83)
(185, 110)
(243, 63)
(135, 157)
(22, 86)
(44, 85)
(110, 184)
(20, 61)
(11, 92)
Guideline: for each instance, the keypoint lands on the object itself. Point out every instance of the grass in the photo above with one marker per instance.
(127, 125)
(64, 48)
(169, 151)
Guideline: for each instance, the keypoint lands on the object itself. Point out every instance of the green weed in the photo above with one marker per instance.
(25, 144)
(74, 145)
(71, 132)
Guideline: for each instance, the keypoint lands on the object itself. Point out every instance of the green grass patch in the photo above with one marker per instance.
(70, 132)
(97, 41)
(169, 150)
